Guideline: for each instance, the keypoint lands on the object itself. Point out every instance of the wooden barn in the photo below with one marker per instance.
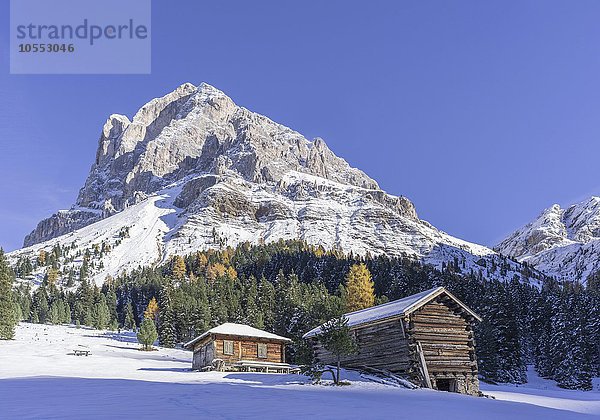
(426, 338)
(239, 347)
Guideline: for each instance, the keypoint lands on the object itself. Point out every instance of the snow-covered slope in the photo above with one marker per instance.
(41, 378)
(564, 243)
(192, 170)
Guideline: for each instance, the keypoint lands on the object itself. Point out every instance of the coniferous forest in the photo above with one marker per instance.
(290, 287)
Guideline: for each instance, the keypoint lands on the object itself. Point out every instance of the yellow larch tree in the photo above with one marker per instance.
(179, 270)
(359, 288)
(151, 311)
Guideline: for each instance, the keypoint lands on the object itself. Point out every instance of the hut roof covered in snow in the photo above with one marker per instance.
(396, 308)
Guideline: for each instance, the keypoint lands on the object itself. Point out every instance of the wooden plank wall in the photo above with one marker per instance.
(203, 354)
(381, 346)
(446, 338)
(246, 349)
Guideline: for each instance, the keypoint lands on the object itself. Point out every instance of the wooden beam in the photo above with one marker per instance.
(424, 366)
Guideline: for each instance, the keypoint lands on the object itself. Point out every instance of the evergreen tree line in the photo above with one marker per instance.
(87, 305)
(289, 287)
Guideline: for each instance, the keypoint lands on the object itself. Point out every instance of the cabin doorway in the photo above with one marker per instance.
(448, 385)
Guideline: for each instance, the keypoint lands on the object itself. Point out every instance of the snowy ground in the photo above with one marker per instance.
(545, 393)
(40, 379)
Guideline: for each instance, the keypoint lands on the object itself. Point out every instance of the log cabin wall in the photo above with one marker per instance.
(381, 345)
(446, 338)
(204, 352)
(244, 348)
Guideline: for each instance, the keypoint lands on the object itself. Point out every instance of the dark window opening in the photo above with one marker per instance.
(448, 385)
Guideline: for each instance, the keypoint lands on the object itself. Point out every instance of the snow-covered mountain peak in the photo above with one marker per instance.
(561, 242)
(193, 170)
(582, 220)
(542, 233)
(191, 130)
(207, 89)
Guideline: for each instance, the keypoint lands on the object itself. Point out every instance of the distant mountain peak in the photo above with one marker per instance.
(564, 243)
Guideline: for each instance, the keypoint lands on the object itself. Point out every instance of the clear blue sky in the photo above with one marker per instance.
(482, 113)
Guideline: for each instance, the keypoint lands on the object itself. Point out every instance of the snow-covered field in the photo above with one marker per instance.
(545, 393)
(40, 378)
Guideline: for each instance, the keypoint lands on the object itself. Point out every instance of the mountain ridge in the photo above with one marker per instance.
(193, 170)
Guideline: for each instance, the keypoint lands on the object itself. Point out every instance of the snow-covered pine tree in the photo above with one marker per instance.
(111, 302)
(23, 301)
(501, 357)
(67, 312)
(100, 314)
(541, 327)
(113, 325)
(252, 314)
(592, 330)
(201, 318)
(201, 314)
(167, 333)
(61, 309)
(8, 316)
(266, 303)
(231, 295)
(129, 319)
(513, 367)
(571, 362)
(287, 300)
(40, 306)
(88, 316)
(521, 295)
(54, 315)
(218, 306)
(487, 349)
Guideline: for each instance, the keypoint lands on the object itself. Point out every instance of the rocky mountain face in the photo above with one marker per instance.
(193, 170)
(193, 130)
(564, 243)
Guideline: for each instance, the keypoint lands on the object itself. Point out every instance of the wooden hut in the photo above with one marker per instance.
(239, 347)
(426, 338)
